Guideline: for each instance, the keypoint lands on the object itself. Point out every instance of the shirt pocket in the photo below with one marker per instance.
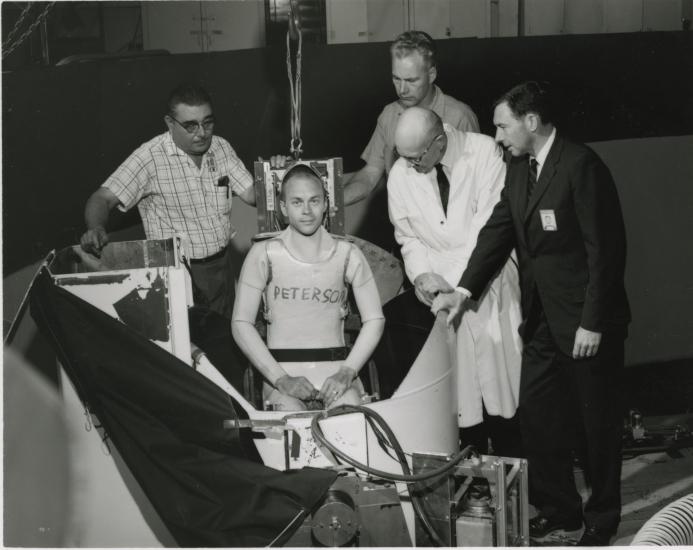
(221, 198)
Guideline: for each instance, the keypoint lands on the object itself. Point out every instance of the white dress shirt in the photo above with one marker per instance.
(544, 152)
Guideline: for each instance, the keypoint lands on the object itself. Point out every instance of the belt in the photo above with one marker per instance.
(309, 354)
(211, 258)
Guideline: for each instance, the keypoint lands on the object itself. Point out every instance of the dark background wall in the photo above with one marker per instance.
(65, 129)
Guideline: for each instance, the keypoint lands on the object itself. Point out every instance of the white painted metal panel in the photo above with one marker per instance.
(191, 27)
(119, 284)
(470, 18)
(386, 19)
(172, 26)
(584, 16)
(233, 25)
(507, 17)
(662, 15)
(347, 21)
(543, 17)
(623, 15)
(431, 16)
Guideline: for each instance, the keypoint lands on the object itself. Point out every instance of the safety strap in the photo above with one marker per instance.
(265, 301)
(296, 355)
(346, 308)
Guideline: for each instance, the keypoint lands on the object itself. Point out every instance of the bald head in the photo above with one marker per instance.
(420, 138)
(415, 130)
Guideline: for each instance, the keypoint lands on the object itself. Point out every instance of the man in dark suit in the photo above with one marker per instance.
(560, 210)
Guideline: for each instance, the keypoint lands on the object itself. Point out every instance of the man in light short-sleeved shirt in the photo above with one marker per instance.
(413, 74)
(182, 183)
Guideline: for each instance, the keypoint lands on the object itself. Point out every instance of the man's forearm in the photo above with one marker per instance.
(96, 212)
(360, 184)
(365, 344)
(248, 339)
(355, 190)
(248, 196)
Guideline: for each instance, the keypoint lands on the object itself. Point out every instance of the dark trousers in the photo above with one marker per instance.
(563, 400)
(504, 434)
(215, 284)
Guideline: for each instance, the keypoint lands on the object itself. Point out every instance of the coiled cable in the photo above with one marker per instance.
(410, 479)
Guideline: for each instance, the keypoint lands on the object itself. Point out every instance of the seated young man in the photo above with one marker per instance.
(303, 274)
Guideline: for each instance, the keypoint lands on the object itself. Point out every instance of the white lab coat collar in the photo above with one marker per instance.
(449, 158)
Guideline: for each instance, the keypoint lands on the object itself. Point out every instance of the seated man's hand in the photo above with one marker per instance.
(295, 386)
(94, 240)
(427, 285)
(453, 303)
(335, 386)
(278, 161)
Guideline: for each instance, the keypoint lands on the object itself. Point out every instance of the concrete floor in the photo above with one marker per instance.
(649, 482)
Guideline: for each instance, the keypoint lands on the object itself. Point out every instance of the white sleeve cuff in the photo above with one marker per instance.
(464, 291)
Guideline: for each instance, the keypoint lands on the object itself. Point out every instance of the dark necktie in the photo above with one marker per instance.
(443, 187)
(532, 179)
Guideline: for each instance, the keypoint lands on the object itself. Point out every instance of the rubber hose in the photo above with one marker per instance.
(671, 526)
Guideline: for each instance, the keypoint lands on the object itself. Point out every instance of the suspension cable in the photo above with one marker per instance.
(296, 143)
(8, 47)
(18, 25)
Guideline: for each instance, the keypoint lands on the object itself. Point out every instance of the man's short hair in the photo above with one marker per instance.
(530, 97)
(300, 170)
(415, 41)
(188, 94)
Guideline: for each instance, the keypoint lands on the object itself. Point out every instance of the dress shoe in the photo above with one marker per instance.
(593, 536)
(540, 526)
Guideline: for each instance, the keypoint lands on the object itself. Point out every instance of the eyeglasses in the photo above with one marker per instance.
(192, 126)
(417, 161)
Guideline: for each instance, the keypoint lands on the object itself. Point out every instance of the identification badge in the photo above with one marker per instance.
(211, 164)
(548, 220)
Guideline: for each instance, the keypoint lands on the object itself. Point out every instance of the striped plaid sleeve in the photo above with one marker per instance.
(240, 178)
(130, 180)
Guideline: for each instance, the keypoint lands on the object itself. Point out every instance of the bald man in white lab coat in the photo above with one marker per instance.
(441, 192)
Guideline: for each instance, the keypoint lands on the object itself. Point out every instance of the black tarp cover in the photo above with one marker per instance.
(166, 420)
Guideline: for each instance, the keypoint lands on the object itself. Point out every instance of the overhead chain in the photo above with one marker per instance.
(18, 24)
(8, 49)
(296, 144)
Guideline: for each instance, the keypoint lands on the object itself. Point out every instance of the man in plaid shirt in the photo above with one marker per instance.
(182, 183)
